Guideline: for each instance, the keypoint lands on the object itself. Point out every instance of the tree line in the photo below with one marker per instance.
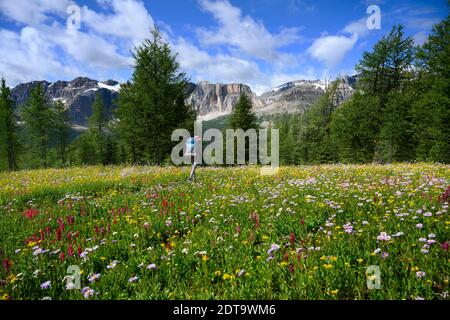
(398, 112)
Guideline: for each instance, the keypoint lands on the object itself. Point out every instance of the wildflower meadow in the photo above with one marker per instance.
(310, 232)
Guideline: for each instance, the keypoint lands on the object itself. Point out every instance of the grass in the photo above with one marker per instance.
(309, 232)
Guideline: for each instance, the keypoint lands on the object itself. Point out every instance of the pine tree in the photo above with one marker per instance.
(9, 144)
(385, 74)
(242, 116)
(128, 126)
(38, 126)
(354, 128)
(98, 119)
(315, 136)
(61, 130)
(97, 125)
(152, 104)
(430, 111)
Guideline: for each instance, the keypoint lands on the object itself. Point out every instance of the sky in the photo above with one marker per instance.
(262, 43)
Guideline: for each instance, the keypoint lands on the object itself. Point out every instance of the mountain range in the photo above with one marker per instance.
(210, 100)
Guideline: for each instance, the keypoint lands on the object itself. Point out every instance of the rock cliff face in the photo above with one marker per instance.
(213, 100)
(297, 96)
(78, 95)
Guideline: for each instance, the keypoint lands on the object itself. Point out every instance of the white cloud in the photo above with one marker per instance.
(330, 50)
(129, 19)
(215, 68)
(358, 28)
(44, 48)
(27, 56)
(32, 12)
(244, 33)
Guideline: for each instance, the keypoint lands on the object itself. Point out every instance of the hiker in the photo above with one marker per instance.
(192, 145)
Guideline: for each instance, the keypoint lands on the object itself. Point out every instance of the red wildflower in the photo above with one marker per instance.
(291, 268)
(70, 220)
(62, 257)
(58, 234)
(7, 264)
(30, 213)
(445, 246)
(292, 238)
(70, 251)
(79, 251)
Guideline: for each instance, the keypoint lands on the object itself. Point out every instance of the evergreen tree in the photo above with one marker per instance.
(354, 128)
(61, 129)
(242, 116)
(376, 128)
(152, 104)
(128, 126)
(97, 125)
(38, 116)
(430, 110)
(315, 137)
(9, 144)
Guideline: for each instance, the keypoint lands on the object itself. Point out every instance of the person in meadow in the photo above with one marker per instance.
(192, 146)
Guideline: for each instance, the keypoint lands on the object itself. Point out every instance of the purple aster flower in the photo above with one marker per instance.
(46, 285)
(273, 247)
(133, 279)
(87, 292)
(420, 274)
(94, 277)
(419, 226)
(384, 236)
(151, 266)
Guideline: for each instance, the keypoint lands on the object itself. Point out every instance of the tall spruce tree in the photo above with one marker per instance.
(97, 125)
(37, 116)
(9, 144)
(430, 110)
(242, 116)
(61, 130)
(385, 73)
(152, 104)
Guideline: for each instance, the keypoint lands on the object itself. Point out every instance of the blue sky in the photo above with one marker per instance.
(263, 43)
